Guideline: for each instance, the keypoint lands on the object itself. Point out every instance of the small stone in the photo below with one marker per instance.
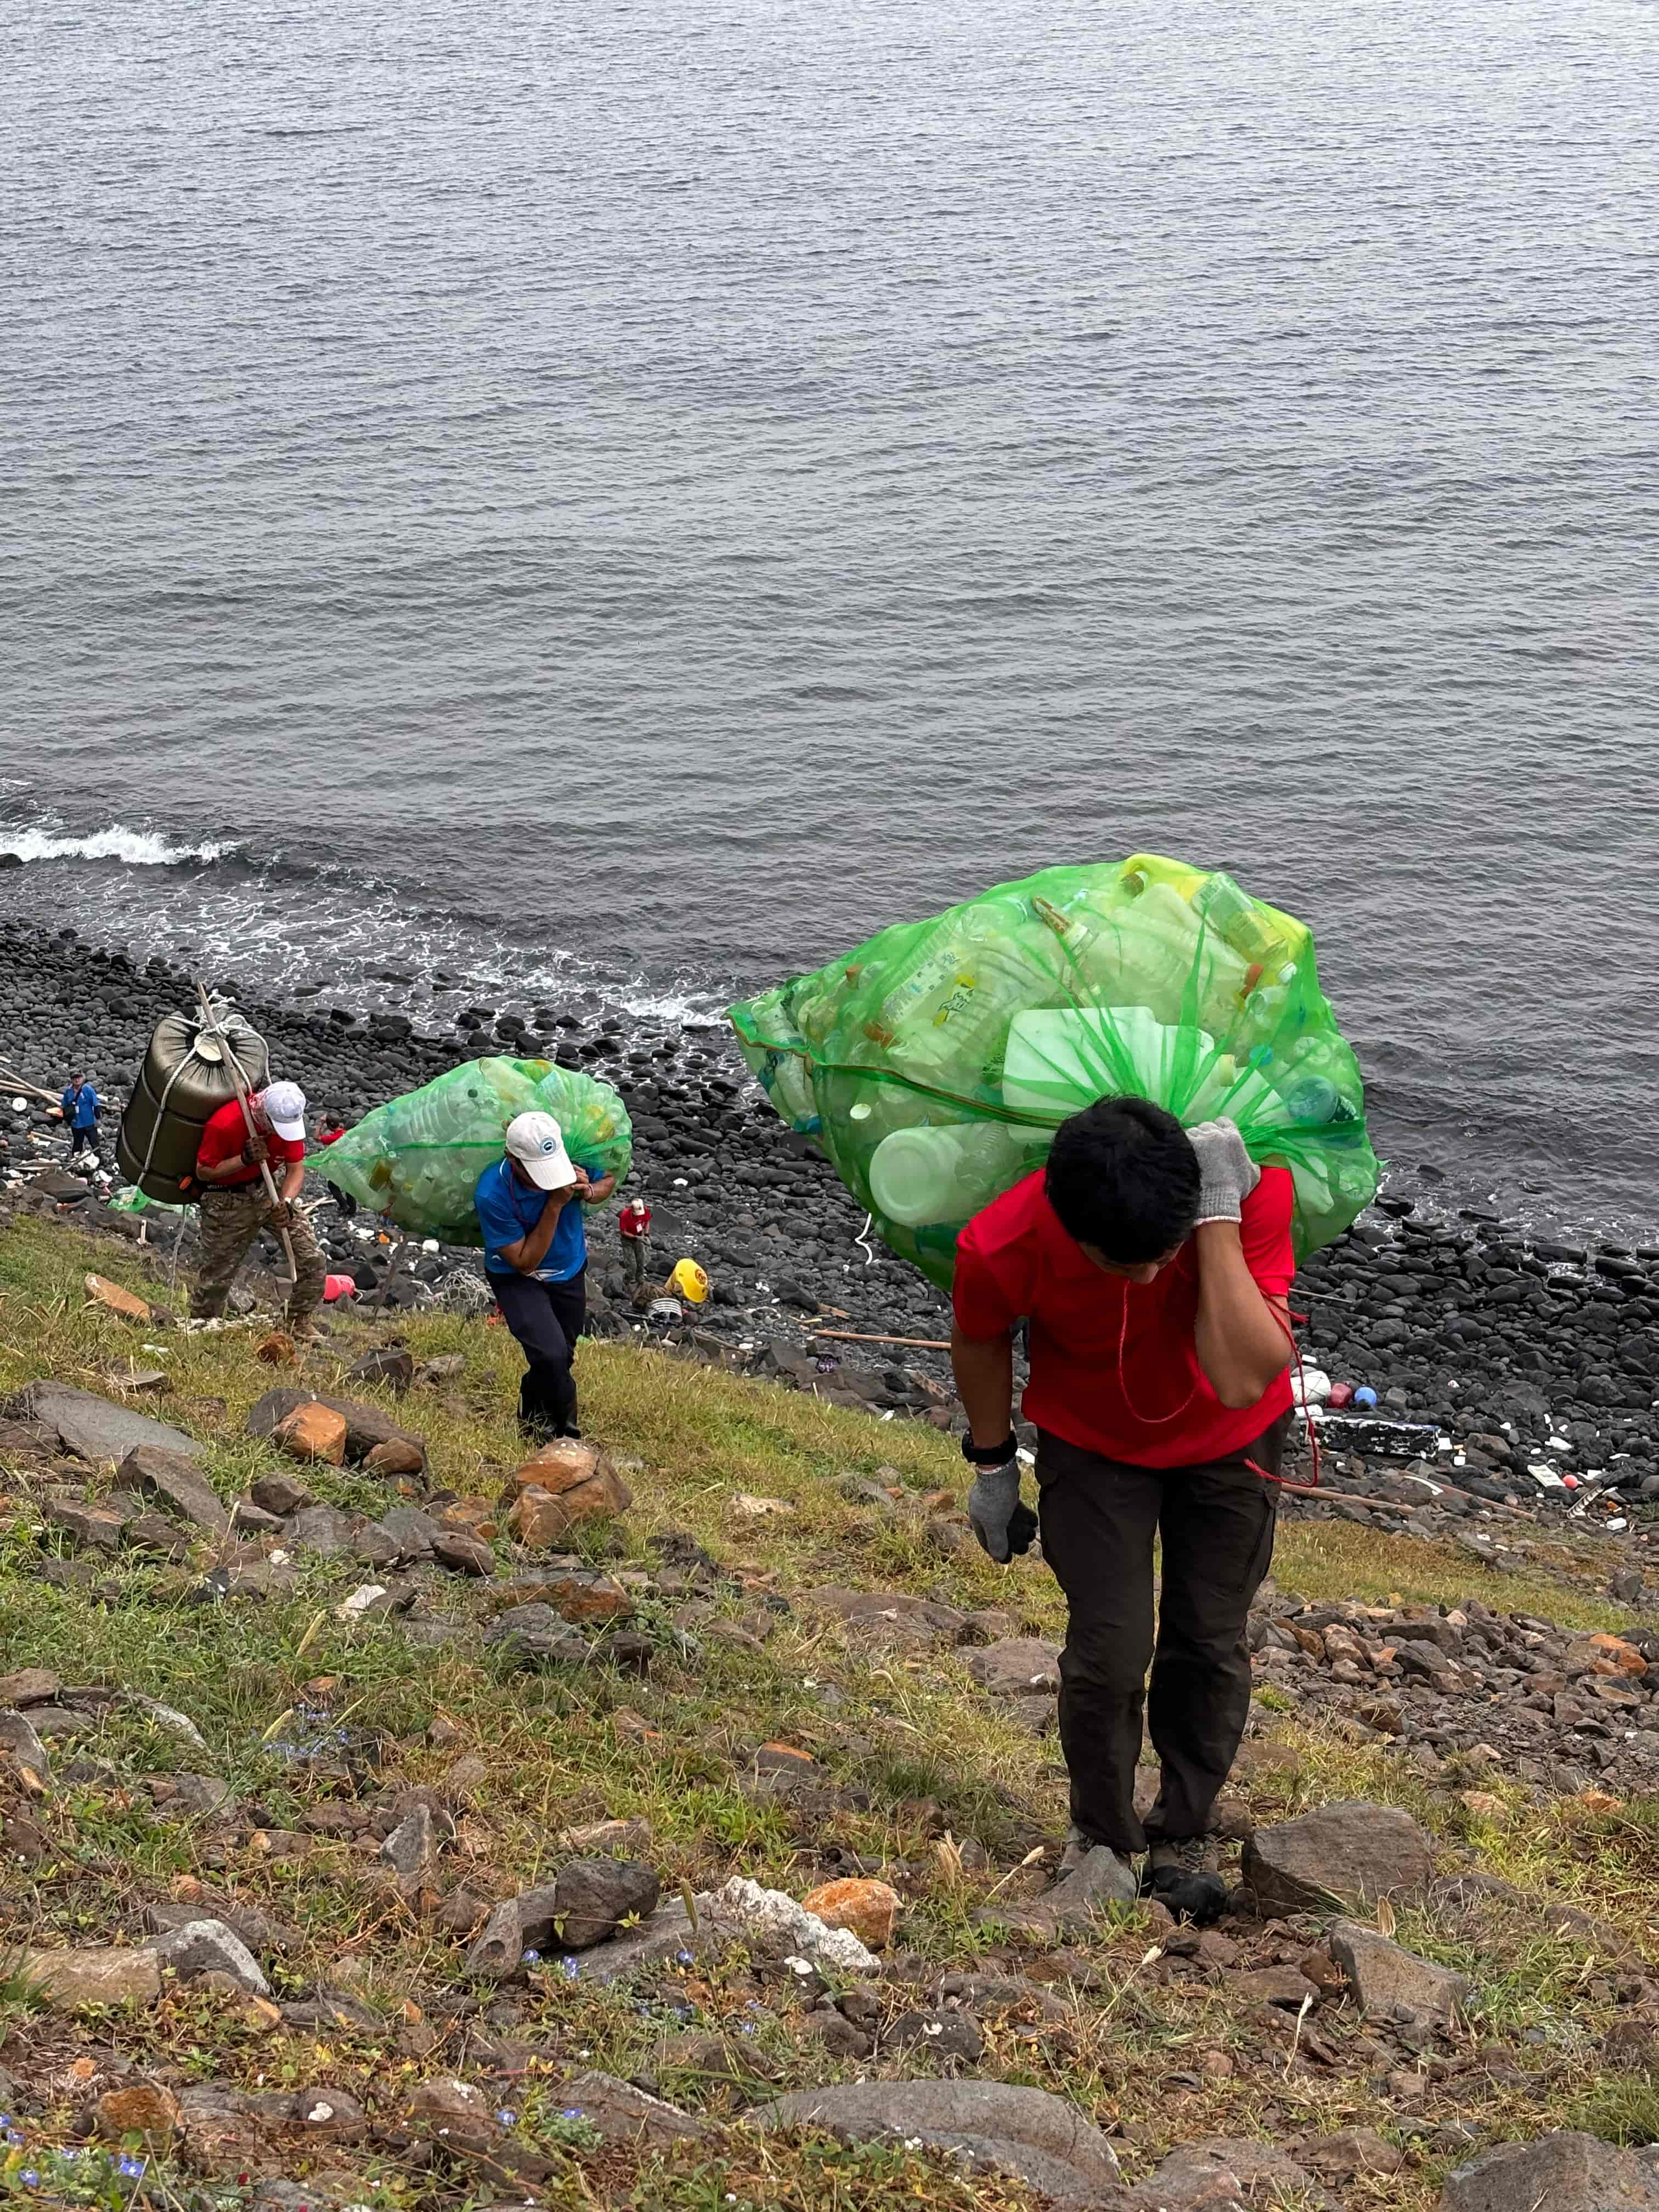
(615, 1839)
(577, 1594)
(1394, 1983)
(593, 1897)
(1015, 1667)
(869, 1909)
(88, 1528)
(204, 1947)
(312, 1431)
(19, 1741)
(30, 1686)
(391, 1366)
(144, 2109)
(397, 1455)
(115, 1300)
(108, 1976)
(464, 1555)
(279, 1494)
(178, 1482)
(622, 2113)
(1560, 2172)
(412, 1846)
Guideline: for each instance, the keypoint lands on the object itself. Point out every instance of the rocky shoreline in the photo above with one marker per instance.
(1510, 1373)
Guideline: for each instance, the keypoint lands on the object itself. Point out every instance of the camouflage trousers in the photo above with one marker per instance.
(636, 1258)
(231, 1222)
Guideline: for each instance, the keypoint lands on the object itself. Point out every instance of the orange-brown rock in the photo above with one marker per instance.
(276, 1350)
(397, 1455)
(564, 1485)
(146, 2109)
(115, 1300)
(868, 1909)
(313, 1432)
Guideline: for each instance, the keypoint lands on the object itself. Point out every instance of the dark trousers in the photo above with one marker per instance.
(1099, 1518)
(547, 1319)
(83, 1140)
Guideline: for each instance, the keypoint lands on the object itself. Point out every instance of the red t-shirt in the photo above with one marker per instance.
(223, 1138)
(1014, 1260)
(635, 1219)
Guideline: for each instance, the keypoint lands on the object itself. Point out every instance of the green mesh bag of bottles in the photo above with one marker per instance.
(933, 1065)
(415, 1160)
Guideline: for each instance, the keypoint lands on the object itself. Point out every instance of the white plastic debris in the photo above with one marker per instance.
(1545, 1478)
(770, 1914)
(354, 1607)
(1311, 1387)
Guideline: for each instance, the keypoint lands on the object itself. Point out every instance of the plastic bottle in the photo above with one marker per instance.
(944, 1020)
(921, 1177)
(1235, 915)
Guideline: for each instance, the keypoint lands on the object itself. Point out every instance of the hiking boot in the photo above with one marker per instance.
(1184, 1873)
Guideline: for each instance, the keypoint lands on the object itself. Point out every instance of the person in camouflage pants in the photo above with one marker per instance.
(235, 1150)
(231, 1222)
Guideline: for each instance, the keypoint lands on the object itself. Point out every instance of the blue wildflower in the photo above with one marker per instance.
(682, 1958)
(508, 2119)
(571, 1969)
(29, 2178)
(531, 1959)
(572, 2112)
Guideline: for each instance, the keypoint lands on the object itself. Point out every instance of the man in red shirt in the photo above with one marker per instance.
(1152, 1266)
(236, 1206)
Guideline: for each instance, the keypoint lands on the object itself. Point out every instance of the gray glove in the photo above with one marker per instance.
(1228, 1173)
(1001, 1523)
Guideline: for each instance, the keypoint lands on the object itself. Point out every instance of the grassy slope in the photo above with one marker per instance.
(913, 1735)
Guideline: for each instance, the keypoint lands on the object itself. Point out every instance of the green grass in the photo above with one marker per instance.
(934, 1764)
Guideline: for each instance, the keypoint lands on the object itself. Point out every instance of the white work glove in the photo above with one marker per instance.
(1228, 1174)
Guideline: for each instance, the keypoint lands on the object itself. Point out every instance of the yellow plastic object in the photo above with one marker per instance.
(689, 1281)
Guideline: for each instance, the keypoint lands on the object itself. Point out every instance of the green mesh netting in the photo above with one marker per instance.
(933, 1065)
(415, 1159)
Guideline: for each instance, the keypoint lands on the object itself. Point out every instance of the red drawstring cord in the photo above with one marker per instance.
(1157, 1420)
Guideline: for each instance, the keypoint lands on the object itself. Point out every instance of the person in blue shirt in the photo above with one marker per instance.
(530, 1206)
(79, 1107)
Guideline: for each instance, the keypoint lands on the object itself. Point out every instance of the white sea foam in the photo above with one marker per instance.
(136, 848)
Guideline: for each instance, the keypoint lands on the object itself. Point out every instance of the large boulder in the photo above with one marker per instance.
(91, 1428)
(1038, 2138)
(1558, 2174)
(1348, 1854)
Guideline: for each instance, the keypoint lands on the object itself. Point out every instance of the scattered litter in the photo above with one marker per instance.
(757, 1509)
(354, 1607)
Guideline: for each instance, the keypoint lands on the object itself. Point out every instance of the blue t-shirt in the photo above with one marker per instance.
(508, 1208)
(80, 1107)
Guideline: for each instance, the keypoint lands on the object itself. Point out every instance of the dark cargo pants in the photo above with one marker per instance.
(231, 1222)
(1099, 1518)
(547, 1319)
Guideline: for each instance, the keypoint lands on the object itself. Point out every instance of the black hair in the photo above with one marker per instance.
(1123, 1177)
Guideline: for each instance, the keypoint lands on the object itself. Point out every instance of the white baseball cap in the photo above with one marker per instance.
(285, 1105)
(537, 1142)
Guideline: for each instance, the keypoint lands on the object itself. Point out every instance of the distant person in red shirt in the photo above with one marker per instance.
(634, 1228)
(1152, 1265)
(236, 1206)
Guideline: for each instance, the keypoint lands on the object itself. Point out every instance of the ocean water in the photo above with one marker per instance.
(616, 504)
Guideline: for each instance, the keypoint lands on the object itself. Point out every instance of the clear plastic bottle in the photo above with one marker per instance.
(943, 1021)
(1233, 914)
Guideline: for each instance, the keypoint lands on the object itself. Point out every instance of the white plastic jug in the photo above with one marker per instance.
(921, 1178)
(1060, 1059)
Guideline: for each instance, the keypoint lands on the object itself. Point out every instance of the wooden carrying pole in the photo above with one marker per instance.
(210, 1022)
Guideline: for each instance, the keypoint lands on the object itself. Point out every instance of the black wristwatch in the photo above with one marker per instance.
(989, 1455)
